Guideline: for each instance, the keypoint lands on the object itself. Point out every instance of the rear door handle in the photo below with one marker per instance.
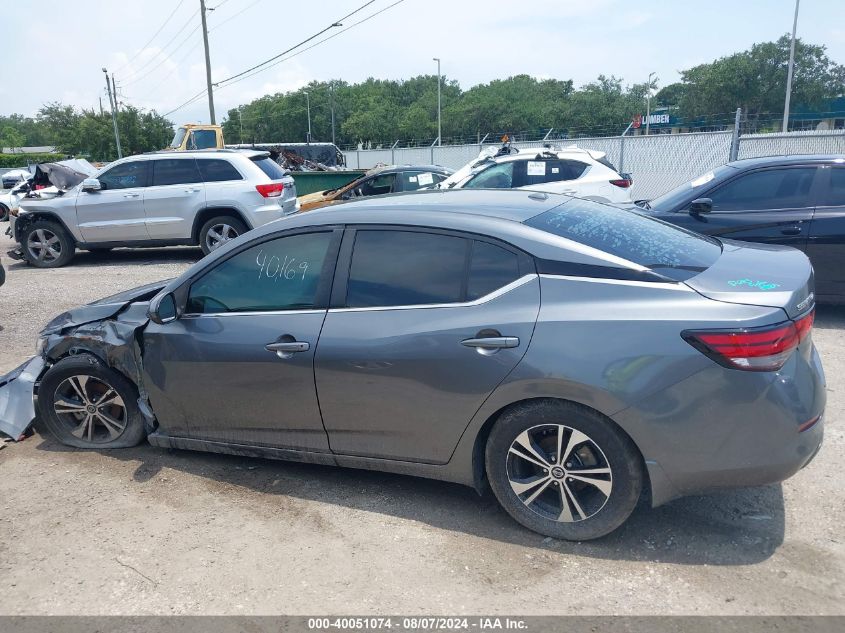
(292, 347)
(131, 195)
(492, 342)
(792, 230)
(191, 190)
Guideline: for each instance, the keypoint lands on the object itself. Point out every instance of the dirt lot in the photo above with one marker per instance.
(146, 530)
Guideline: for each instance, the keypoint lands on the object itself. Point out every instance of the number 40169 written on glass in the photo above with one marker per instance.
(274, 267)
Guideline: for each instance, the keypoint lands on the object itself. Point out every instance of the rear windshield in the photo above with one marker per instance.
(665, 249)
(269, 167)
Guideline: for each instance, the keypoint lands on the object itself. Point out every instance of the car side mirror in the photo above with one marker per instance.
(163, 309)
(700, 205)
(90, 185)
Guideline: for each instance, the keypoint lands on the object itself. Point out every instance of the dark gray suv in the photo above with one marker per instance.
(572, 354)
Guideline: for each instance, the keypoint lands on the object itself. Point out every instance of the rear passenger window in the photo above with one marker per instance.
(216, 170)
(543, 171)
(835, 195)
(175, 171)
(490, 268)
(768, 189)
(392, 268)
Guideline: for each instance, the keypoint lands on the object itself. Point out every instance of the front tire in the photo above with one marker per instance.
(563, 470)
(86, 404)
(4, 212)
(47, 244)
(217, 231)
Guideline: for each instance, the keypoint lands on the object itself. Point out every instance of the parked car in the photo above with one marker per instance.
(5, 205)
(407, 334)
(13, 177)
(157, 199)
(376, 182)
(2, 272)
(796, 201)
(573, 171)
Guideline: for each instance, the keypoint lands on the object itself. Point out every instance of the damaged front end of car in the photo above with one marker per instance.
(109, 329)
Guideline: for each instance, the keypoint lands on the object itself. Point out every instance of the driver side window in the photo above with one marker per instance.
(378, 185)
(125, 176)
(280, 274)
(496, 177)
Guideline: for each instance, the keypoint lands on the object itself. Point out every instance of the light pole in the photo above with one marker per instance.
(308, 109)
(439, 129)
(331, 94)
(791, 69)
(112, 104)
(648, 101)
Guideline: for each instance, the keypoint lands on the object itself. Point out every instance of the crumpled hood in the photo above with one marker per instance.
(103, 308)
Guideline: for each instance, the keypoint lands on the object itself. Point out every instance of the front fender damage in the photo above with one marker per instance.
(115, 340)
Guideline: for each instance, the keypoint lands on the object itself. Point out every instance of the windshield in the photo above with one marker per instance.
(686, 192)
(178, 138)
(661, 247)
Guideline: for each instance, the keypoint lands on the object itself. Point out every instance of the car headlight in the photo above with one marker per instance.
(40, 345)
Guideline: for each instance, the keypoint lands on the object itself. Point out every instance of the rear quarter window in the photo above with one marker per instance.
(665, 249)
(269, 167)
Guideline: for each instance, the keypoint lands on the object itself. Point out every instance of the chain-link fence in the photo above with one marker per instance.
(657, 162)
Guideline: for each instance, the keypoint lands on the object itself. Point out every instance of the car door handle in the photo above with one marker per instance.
(191, 190)
(131, 195)
(492, 342)
(291, 347)
(792, 230)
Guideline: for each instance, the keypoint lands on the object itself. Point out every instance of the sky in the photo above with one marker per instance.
(154, 47)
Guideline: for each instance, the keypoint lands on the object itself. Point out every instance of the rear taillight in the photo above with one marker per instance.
(272, 190)
(752, 349)
(624, 183)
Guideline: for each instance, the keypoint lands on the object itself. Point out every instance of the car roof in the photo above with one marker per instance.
(395, 169)
(496, 213)
(800, 159)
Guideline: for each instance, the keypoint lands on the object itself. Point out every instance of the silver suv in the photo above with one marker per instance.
(159, 199)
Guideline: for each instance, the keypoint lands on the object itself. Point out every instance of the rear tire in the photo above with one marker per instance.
(4, 212)
(47, 244)
(219, 230)
(534, 455)
(86, 404)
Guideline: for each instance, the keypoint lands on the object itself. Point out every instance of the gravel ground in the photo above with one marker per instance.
(151, 531)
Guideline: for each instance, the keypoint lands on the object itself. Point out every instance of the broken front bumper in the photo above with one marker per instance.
(17, 402)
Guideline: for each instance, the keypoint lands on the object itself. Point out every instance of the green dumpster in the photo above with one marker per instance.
(311, 181)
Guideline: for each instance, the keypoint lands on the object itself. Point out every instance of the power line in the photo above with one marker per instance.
(305, 41)
(315, 44)
(165, 59)
(144, 47)
(196, 97)
(232, 17)
(133, 76)
(174, 69)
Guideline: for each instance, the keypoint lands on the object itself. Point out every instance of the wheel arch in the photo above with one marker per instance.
(25, 220)
(211, 212)
(479, 442)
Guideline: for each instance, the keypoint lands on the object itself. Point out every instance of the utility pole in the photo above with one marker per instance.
(308, 108)
(113, 114)
(791, 69)
(648, 102)
(439, 129)
(331, 95)
(114, 92)
(207, 64)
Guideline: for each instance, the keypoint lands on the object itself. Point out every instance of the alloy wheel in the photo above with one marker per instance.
(219, 234)
(91, 409)
(44, 245)
(559, 472)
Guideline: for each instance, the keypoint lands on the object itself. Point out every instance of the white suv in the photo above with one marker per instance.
(570, 170)
(158, 199)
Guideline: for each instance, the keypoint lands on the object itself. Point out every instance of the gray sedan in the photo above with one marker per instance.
(572, 356)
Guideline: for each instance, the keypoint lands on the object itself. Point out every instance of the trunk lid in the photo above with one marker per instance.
(759, 274)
